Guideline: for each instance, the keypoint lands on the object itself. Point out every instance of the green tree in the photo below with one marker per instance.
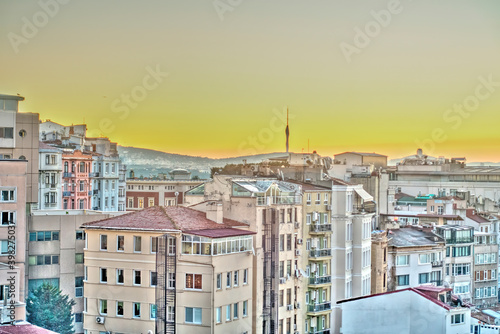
(47, 307)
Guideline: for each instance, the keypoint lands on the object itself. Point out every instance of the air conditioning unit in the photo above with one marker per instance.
(297, 225)
(297, 273)
(289, 307)
(282, 280)
(298, 305)
(294, 327)
(297, 252)
(99, 320)
(299, 241)
(315, 216)
(313, 322)
(329, 207)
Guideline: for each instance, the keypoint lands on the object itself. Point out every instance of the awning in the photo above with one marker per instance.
(364, 195)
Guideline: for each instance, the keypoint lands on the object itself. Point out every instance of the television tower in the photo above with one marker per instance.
(287, 130)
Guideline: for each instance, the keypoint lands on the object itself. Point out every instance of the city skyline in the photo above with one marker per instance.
(386, 77)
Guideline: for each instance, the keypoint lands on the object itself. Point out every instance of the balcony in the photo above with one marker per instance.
(94, 174)
(320, 280)
(319, 331)
(320, 228)
(66, 193)
(278, 200)
(326, 306)
(316, 253)
(66, 174)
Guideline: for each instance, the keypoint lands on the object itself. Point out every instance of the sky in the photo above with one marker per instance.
(215, 77)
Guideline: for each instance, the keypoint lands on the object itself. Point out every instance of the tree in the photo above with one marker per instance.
(47, 307)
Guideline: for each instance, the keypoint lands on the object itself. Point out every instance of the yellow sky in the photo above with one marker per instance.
(377, 76)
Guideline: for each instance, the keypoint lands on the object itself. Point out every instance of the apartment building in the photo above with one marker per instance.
(203, 276)
(77, 186)
(105, 182)
(50, 187)
(13, 176)
(55, 253)
(423, 309)
(19, 140)
(151, 192)
(122, 187)
(415, 257)
(458, 262)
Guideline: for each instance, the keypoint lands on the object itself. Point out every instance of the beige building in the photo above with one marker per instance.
(55, 253)
(203, 278)
(12, 239)
(19, 140)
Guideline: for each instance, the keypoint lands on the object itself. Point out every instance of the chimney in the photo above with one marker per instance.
(214, 212)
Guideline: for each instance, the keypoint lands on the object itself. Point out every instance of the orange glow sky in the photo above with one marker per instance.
(228, 80)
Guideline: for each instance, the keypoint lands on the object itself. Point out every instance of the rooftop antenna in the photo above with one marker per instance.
(287, 130)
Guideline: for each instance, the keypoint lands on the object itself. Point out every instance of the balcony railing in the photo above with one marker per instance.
(437, 263)
(278, 200)
(94, 174)
(318, 228)
(320, 252)
(319, 331)
(66, 193)
(66, 174)
(326, 306)
(320, 280)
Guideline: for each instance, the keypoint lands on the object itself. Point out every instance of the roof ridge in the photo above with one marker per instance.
(170, 218)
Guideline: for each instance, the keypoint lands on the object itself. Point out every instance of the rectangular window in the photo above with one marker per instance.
(7, 218)
(236, 278)
(457, 318)
(153, 244)
(79, 286)
(137, 310)
(218, 315)
(423, 278)
(235, 311)
(403, 280)
(152, 311)
(119, 309)
(80, 235)
(193, 315)
(219, 281)
(103, 306)
(137, 277)
(402, 260)
(7, 195)
(103, 275)
(171, 280)
(245, 276)
(119, 276)
(154, 278)
(282, 242)
(137, 244)
(245, 308)
(228, 280)
(228, 312)
(288, 242)
(120, 243)
(78, 258)
(104, 242)
(194, 281)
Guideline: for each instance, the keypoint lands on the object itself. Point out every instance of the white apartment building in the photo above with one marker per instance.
(50, 185)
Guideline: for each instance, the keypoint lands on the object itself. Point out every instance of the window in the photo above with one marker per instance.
(281, 298)
(171, 280)
(457, 318)
(282, 242)
(137, 244)
(235, 311)
(103, 306)
(228, 312)
(119, 276)
(219, 281)
(236, 278)
(103, 275)
(460, 269)
(194, 281)
(7, 218)
(245, 276)
(245, 308)
(289, 268)
(80, 235)
(152, 311)
(308, 199)
(228, 280)
(137, 310)
(79, 286)
(403, 280)
(40, 260)
(154, 278)
(402, 260)
(6, 132)
(8, 195)
(78, 317)
(424, 258)
(120, 243)
(154, 241)
(288, 242)
(423, 278)
(218, 315)
(78, 258)
(119, 309)
(170, 313)
(104, 242)
(7, 247)
(137, 277)
(193, 315)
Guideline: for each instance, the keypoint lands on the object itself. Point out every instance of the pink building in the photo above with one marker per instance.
(77, 190)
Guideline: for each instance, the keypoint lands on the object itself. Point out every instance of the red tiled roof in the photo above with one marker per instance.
(430, 215)
(471, 214)
(24, 329)
(170, 218)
